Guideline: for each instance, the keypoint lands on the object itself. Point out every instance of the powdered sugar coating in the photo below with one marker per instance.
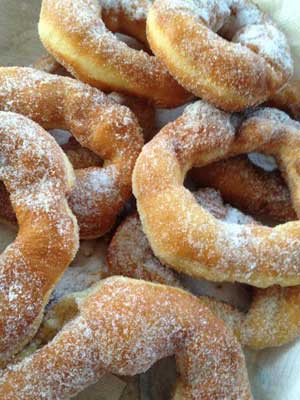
(227, 52)
(271, 316)
(136, 9)
(38, 176)
(76, 33)
(98, 123)
(124, 326)
(188, 238)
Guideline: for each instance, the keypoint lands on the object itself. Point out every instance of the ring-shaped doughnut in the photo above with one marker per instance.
(181, 233)
(76, 33)
(124, 326)
(273, 317)
(227, 52)
(106, 128)
(38, 176)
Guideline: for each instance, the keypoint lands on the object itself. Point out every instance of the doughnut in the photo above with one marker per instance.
(97, 123)
(80, 35)
(38, 176)
(288, 99)
(248, 187)
(227, 52)
(181, 233)
(273, 315)
(124, 326)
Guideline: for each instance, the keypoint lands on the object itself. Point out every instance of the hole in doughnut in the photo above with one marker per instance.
(133, 43)
(79, 156)
(7, 235)
(125, 31)
(238, 295)
(86, 270)
(267, 163)
(8, 222)
(61, 136)
(158, 382)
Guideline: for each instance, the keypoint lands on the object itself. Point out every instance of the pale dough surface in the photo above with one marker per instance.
(274, 373)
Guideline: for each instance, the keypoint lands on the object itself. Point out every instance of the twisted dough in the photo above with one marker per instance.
(124, 326)
(184, 235)
(225, 51)
(38, 176)
(248, 188)
(98, 123)
(273, 318)
(76, 33)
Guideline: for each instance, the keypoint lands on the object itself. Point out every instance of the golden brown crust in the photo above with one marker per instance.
(248, 188)
(98, 123)
(184, 235)
(76, 33)
(273, 318)
(288, 99)
(38, 177)
(247, 67)
(123, 326)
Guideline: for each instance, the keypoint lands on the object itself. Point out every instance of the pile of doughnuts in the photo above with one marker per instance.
(73, 166)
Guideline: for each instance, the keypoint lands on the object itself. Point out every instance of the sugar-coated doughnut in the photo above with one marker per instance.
(98, 123)
(77, 33)
(124, 326)
(273, 317)
(225, 51)
(181, 233)
(38, 177)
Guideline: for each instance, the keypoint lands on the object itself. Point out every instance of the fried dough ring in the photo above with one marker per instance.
(124, 326)
(38, 177)
(98, 123)
(76, 33)
(248, 188)
(246, 68)
(273, 318)
(185, 236)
